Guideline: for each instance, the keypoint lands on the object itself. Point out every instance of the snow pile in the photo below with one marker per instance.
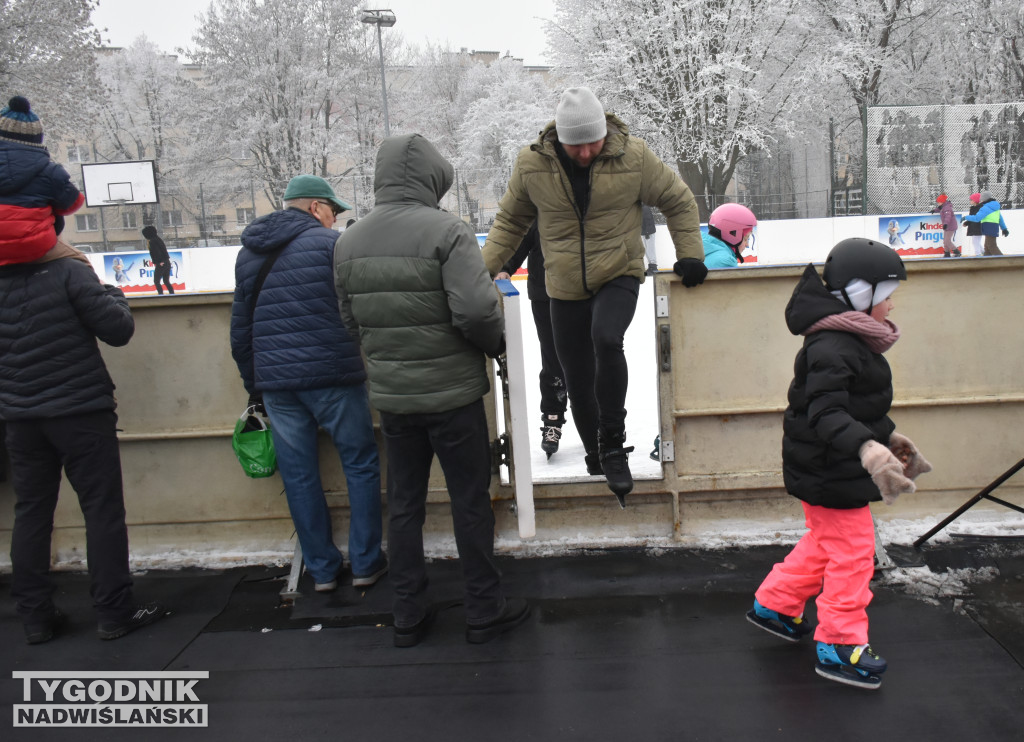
(923, 583)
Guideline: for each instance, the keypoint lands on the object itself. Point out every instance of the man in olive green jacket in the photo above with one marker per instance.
(584, 181)
(412, 284)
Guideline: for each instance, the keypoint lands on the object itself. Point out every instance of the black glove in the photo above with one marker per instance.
(256, 402)
(691, 270)
(1006, 233)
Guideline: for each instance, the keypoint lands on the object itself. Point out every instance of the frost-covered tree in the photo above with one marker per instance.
(704, 81)
(46, 55)
(864, 49)
(278, 84)
(505, 108)
(436, 100)
(143, 114)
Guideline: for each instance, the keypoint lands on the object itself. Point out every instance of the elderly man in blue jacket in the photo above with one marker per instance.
(297, 359)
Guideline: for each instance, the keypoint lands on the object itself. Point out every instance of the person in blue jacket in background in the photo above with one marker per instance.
(991, 221)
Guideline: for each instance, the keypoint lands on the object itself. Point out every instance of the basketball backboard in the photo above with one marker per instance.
(119, 183)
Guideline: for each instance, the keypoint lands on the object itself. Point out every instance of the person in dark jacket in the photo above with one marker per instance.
(57, 402)
(553, 397)
(160, 258)
(35, 193)
(414, 286)
(840, 452)
(297, 359)
(974, 228)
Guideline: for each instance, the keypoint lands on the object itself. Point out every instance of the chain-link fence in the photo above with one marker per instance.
(914, 153)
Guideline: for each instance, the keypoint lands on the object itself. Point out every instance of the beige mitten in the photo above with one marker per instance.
(914, 464)
(886, 471)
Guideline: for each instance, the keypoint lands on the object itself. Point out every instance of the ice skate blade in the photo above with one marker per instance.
(768, 625)
(849, 676)
(621, 499)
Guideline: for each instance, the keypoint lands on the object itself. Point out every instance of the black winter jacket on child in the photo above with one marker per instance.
(839, 398)
(973, 228)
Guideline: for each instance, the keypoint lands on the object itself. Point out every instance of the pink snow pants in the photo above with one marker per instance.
(835, 558)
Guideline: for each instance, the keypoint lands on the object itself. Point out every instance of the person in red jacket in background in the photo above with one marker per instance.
(35, 192)
(945, 211)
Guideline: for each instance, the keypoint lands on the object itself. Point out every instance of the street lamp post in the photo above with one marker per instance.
(386, 19)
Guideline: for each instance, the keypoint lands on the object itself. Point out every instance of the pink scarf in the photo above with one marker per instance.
(879, 337)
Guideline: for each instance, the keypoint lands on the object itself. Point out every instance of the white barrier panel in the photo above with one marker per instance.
(801, 241)
(777, 242)
(517, 425)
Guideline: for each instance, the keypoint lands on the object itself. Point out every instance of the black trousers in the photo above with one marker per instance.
(588, 338)
(552, 381)
(459, 438)
(86, 448)
(162, 273)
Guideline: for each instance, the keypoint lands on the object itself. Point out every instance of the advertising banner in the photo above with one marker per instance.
(132, 272)
(917, 235)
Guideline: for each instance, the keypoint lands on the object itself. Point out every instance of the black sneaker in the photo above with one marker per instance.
(41, 631)
(516, 611)
(615, 463)
(143, 615)
(410, 636)
(550, 435)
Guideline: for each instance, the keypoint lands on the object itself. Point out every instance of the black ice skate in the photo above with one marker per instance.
(850, 664)
(790, 628)
(551, 434)
(615, 464)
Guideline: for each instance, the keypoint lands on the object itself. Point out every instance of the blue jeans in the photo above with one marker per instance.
(344, 412)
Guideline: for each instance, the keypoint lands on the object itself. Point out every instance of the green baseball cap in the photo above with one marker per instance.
(312, 186)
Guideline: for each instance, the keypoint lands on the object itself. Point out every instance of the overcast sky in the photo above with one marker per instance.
(513, 27)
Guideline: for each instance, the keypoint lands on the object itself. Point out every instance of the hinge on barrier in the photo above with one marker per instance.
(501, 452)
(503, 374)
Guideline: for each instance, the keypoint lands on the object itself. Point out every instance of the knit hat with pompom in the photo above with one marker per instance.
(19, 124)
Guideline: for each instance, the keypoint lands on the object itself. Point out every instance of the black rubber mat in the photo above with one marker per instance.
(621, 645)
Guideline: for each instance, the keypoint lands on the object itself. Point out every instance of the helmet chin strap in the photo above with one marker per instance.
(871, 302)
(736, 251)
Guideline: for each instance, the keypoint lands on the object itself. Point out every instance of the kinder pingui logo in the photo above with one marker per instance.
(110, 699)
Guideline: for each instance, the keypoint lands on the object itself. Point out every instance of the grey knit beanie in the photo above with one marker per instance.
(986, 196)
(579, 117)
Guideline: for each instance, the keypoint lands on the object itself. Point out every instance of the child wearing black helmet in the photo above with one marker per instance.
(840, 452)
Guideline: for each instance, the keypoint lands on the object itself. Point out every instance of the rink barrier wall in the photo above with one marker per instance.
(957, 372)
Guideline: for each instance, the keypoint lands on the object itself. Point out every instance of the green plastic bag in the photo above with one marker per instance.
(254, 445)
